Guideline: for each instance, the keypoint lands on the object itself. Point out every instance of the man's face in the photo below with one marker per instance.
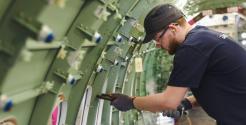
(165, 39)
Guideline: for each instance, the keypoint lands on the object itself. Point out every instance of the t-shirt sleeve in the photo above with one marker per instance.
(189, 67)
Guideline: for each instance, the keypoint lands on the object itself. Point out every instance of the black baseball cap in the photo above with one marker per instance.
(159, 18)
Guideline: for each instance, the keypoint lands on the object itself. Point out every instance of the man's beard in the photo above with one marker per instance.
(173, 47)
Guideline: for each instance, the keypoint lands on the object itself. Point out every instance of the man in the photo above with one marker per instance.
(208, 63)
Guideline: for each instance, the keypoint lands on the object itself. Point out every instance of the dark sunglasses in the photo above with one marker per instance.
(165, 29)
(163, 32)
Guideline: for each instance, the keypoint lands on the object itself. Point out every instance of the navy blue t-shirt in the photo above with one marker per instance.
(213, 66)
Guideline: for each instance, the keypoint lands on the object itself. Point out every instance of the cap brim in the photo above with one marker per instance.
(148, 37)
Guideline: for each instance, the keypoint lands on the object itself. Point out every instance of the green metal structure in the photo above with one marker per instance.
(59, 54)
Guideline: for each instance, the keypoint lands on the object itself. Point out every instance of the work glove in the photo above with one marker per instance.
(119, 101)
(180, 111)
(176, 114)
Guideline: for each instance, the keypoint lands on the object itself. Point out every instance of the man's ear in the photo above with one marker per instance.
(173, 26)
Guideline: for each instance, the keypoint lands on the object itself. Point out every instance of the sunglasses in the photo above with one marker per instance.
(162, 33)
(164, 30)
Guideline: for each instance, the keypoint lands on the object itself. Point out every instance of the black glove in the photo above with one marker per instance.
(181, 110)
(176, 114)
(120, 101)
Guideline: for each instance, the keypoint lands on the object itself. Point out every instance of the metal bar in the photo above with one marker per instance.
(35, 45)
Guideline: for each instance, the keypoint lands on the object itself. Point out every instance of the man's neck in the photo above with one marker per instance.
(188, 28)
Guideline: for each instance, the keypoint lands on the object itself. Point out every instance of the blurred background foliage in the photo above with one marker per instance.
(162, 68)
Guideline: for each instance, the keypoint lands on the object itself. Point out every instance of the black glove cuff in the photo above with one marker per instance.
(186, 104)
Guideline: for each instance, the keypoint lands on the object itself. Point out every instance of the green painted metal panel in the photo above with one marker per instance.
(28, 75)
(100, 83)
(88, 65)
(112, 81)
(128, 85)
(19, 110)
(61, 18)
(14, 34)
(126, 5)
(57, 74)
(85, 18)
(58, 71)
(137, 11)
(4, 4)
(42, 109)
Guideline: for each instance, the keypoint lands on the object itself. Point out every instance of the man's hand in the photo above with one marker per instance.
(176, 114)
(181, 110)
(120, 101)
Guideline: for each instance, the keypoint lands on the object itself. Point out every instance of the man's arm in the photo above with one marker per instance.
(169, 99)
